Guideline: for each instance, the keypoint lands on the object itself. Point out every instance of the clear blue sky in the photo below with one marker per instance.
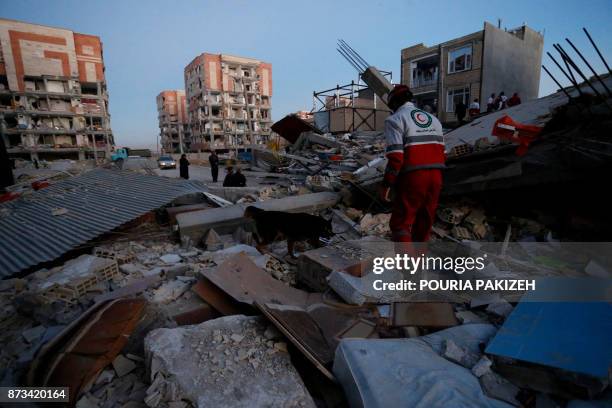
(148, 43)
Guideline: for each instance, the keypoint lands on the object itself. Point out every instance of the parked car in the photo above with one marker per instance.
(166, 162)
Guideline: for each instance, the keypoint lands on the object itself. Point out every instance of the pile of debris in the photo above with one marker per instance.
(163, 297)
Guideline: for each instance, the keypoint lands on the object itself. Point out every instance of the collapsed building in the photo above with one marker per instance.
(53, 93)
(137, 289)
(229, 101)
(174, 132)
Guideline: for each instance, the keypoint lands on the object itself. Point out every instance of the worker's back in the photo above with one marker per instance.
(418, 135)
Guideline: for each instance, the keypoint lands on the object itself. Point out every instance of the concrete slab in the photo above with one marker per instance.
(352, 256)
(224, 220)
(225, 362)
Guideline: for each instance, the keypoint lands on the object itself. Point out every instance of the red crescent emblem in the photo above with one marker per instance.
(420, 117)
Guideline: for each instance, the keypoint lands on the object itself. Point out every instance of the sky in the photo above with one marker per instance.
(148, 43)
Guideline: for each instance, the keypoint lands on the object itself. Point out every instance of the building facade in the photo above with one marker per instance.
(473, 66)
(228, 101)
(173, 124)
(53, 93)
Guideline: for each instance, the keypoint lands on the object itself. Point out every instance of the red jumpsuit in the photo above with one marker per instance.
(415, 153)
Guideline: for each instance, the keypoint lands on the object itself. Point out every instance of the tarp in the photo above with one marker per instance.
(410, 372)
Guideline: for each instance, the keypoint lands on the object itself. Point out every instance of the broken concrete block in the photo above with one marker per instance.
(130, 268)
(87, 401)
(482, 367)
(123, 365)
(357, 291)
(595, 269)
(175, 271)
(105, 377)
(188, 364)
(314, 266)
(15, 284)
(501, 308)
(170, 258)
(457, 354)
(495, 386)
(466, 317)
(212, 241)
(33, 334)
(170, 291)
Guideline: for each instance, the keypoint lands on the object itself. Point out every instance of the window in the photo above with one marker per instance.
(460, 59)
(454, 96)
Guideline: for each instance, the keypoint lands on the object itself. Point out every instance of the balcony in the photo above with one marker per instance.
(423, 82)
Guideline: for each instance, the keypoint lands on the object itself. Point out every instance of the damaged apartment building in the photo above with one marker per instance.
(473, 66)
(53, 93)
(229, 101)
(173, 125)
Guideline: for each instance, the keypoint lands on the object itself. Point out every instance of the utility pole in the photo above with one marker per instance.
(6, 170)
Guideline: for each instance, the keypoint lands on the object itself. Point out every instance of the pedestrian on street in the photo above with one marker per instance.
(415, 154)
(514, 100)
(213, 159)
(474, 108)
(491, 103)
(503, 101)
(460, 111)
(184, 167)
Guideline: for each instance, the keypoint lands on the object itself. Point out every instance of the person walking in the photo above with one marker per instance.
(213, 159)
(184, 167)
(415, 154)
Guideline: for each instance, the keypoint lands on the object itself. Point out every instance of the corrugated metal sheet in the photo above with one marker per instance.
(97, 202)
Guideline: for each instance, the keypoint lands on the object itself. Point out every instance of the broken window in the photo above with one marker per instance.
(424, 72)
(5, 100)
(460, 59)
(454, 96)
(89, 89)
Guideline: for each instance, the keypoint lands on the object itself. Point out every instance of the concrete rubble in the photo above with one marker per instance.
(227, 324)
(223, 362)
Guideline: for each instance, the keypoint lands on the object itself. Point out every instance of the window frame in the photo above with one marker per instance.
(468, 65)
(466, 97)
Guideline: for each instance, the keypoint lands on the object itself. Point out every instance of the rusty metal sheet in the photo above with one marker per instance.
(315, 330)
(247, 283)
(291, 126)
(75, 357)
(434, 315)
(222, 302)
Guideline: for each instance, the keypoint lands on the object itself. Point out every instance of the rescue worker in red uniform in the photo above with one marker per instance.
(415, 154)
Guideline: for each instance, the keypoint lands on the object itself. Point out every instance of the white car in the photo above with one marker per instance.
(166, 162)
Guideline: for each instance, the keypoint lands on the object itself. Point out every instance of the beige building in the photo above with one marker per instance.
(473, 66)
(53, 93)
(229, 101)
(173, 124)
